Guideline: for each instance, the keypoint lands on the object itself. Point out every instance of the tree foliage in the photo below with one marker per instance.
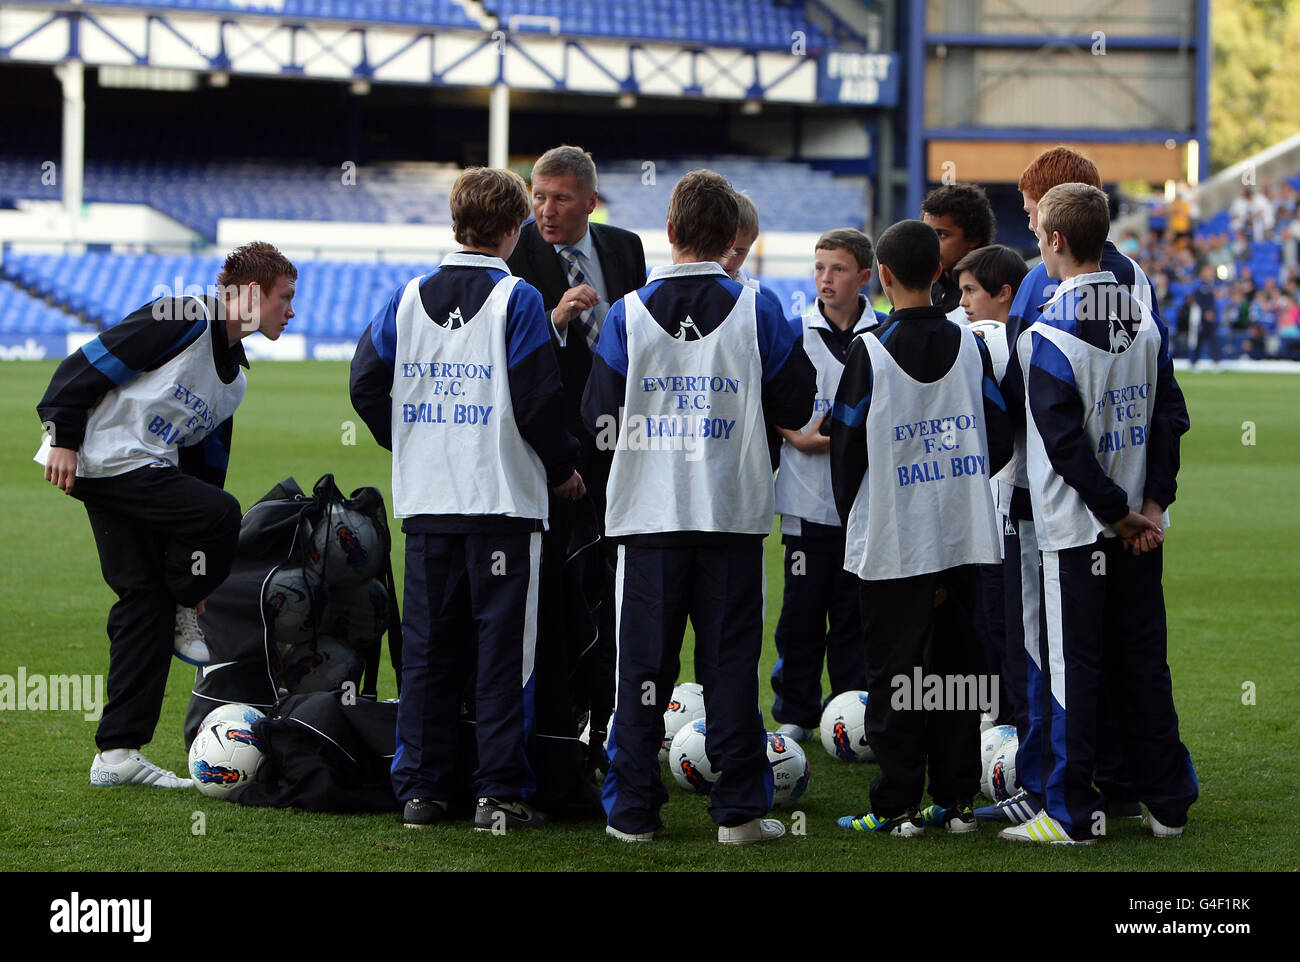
(1255, 78)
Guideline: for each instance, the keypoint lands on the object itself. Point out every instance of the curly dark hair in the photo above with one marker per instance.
(968, 206)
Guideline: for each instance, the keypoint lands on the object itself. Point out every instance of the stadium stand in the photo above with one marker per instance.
(21, 313)
(198, 195)
(753, 24)
(424, 13)
(335, 298)
(634, 203)
(749, 24)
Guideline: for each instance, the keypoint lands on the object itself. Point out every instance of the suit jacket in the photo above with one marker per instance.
(622, 261)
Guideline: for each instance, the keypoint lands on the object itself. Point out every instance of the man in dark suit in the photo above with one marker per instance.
(581, 268)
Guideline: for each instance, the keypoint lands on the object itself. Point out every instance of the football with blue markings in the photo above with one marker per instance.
(233, 712)
(844, 727)
(790, 770)
(991, 742)
(687, 759)
(347, 547)
(223, 756)
(686, 705)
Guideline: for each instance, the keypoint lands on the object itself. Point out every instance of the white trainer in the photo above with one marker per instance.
(136, 770)
(1160, 830)
(612, 832)
(1044, 829)
(795, 733)
(190, 645)
(755, 830)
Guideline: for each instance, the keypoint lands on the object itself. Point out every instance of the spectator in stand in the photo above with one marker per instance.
(1260, 216)
(1203, 326)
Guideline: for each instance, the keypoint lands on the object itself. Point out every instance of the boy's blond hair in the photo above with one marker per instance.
(747, 223)
(1080, 213)
(486, 204)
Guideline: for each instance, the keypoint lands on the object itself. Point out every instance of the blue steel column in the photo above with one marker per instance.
(915, 106)
(1204, 53)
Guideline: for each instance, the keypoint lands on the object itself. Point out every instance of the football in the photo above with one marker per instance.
(323, 667)
(688, 761)
(686, 705)
(223, 756)
(1002, 771)
(233, 712)
(994, 336)
(347, 547)
(357, 615)
(991, 741)
(292, 601)
(844, 727)
(790, 769)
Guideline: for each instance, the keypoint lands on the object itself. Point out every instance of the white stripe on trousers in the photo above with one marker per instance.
(1055, 628)
(530, 609)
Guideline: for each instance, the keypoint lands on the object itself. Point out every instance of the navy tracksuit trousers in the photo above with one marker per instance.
(720, 588)
(921, 622)
(469, 607)
(820, 614)
(1111, 695)
(165, 538)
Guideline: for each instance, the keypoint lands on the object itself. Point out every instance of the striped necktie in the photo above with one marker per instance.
(586, 320)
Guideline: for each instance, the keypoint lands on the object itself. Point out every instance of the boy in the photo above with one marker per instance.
(988, 278)
(1094, 385)
(916, 429)
(476, 427)
(1022, 563)
(733, 262)
(689, 369)
(960, 214)
(139, 424)
(817, 587)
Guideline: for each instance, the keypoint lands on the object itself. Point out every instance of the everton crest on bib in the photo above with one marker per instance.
(451, 402)
(692, 451)
(1118, 392)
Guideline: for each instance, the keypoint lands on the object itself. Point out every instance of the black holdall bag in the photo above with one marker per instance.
(306, 605)
(325, 752)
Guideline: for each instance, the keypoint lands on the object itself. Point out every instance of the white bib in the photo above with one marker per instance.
(803, 482)
(924, 504)
(1118, 393)
(692, 453)
(456, 447)
(146, 419)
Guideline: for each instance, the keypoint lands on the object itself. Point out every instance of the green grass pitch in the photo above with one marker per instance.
(1231, 579)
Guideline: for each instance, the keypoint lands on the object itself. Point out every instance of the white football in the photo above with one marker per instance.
(844, 727)
(686, 705)
(323, 667)
(1002, 771)
(991, 742)
(223, 756)
(994, 335)
(790, 769)
(688, 761)
(233, 712)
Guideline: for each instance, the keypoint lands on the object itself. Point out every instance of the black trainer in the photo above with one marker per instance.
(495, 815)
(423, 812)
